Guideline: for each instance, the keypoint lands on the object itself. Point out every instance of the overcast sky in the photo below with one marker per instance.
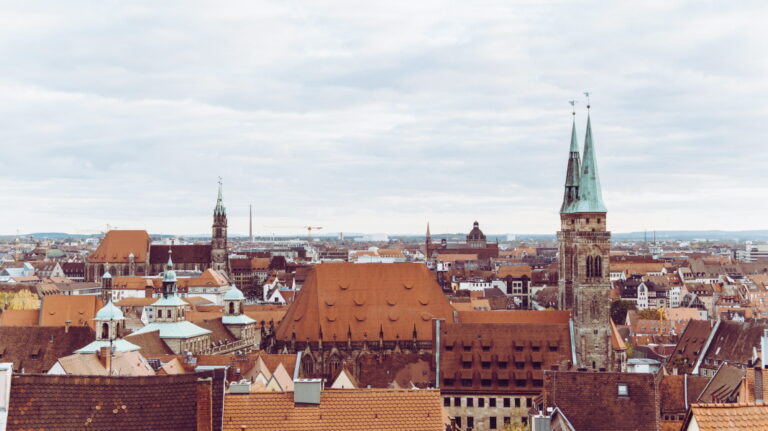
(379, 116)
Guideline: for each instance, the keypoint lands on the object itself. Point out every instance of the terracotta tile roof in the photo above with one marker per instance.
(131, 283)
(118, 244)
(135, 302)
(219, 332)
(19, 317)
(515, 316)
(692, 341)
(37, 348)
(723, 385)
(364, 300)
(673, 392)
(515, 271)
(208, 277)
(456, 257)
(123, 364)
(342, 409)
(732, 417)
(604, 409)
(105, 403)
(79, 309)
(187, 253)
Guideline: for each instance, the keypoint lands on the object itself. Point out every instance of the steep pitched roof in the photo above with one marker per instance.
(118, 244)
(37, 348)
(187, 253)
(78, 309)
(732, 417)
(19, 317)
(104, 403)
(515, 316)
(342, 409)
(150, 344)
(364, 300)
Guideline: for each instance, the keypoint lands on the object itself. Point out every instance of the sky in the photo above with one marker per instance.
(379, 116)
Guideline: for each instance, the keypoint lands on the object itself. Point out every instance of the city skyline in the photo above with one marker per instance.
(380, 119)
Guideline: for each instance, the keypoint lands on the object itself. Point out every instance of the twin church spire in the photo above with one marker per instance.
(582, 181)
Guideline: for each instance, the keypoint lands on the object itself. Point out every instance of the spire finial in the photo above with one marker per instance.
(586, 93)
(219, 210)
(573, 107)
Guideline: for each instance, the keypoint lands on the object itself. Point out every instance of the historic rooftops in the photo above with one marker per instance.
(75, 310)
(118, 244)
(118, 345)
(234, 294)
(186, 253)
(476, 234)
(109, 312)
(340, 409)
(35, 349)
(733, 417)
(365, 302)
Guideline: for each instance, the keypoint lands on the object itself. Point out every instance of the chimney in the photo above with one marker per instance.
(306, 392)
(66, 326)
(204, 404)
(105, 357)
(241, 387)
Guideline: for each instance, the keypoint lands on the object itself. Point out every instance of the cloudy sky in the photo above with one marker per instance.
(379, 116)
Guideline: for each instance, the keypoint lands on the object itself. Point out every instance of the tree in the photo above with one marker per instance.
(619, 310)
(649, 314)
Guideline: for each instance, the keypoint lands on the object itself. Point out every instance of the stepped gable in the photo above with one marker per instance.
(340, 409)
(180, 402)
(364, 300)
(118, 244)
(35, 349)
(190, 253)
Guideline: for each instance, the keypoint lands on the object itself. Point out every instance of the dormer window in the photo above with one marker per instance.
(623, 390)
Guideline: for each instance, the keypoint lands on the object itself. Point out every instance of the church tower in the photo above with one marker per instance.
(584, 252)
(219, 257)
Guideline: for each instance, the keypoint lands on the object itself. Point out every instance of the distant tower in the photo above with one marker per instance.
(219, 261)
(584, 251)
(427, 244)
(106, 287)
(476, 237)
(250, 223)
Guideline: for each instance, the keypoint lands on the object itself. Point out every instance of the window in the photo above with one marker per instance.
(493, 422)
(502, 365)
(503, 382)
(517, 402)
(553, 348)
(519, 365)
(159, 313)
(168, 313)
(486, 348)
(470, 422)
(447, 401)
(448, 382)
(457, 401)
(485, 382)
(458, 421)
(528, 402)
(481, 402)
(491, 402)
(518, 348)
(623, 390)
(507, 420)
(470, 402)
(535, 348)
(466, 382)
(466, 365)
(507, 402)
(449, 347)
(485, 365)
(468, 348)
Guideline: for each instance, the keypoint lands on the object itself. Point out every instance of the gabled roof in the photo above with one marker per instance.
(19, 317)
(37, 348)
(187, 253)
(364, 300)
(732, 417)
(118, 244)
(150, 344)
(342, 409)
(78, 309)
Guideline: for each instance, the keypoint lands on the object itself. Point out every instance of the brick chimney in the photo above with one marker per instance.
(105, 357)
(204, 404)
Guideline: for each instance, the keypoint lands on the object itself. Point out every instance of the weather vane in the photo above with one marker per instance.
(219, 179)
(573, 106)
(586, 93)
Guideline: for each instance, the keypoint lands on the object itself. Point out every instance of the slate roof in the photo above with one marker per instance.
(118, 244)
(732, 417)
(590, 401)
(103, 403)
(37, 348)
(364, 300)
(342, 409)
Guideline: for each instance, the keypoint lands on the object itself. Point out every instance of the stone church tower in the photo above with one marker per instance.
(584, 252)
(219, 254)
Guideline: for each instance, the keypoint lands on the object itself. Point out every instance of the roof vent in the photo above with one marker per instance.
(307, 391)
(241, 387)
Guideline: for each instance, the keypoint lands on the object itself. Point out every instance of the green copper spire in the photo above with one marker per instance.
(219, 210)
(571, 194)
(590, 194)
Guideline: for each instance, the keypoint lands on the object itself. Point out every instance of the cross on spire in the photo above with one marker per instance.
(586, 93)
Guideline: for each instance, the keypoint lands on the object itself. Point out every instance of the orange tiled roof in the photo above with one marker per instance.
(363, 300)
(733, 417)
(79, 309)
(118, 244)
(341, 409)
(514, 271)
(19, 317)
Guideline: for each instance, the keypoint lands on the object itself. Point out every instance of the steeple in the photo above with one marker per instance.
(590, 194)
(219, 210)
(571, 194)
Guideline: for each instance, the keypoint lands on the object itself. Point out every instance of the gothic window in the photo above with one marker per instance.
(306, 365)
(104, 330)
(589, 267)
(598, 266)
(335, 364)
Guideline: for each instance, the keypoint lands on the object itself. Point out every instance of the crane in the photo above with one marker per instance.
(308, 228)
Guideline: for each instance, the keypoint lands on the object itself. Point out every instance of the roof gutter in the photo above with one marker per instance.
(573, 343)
(706, 347)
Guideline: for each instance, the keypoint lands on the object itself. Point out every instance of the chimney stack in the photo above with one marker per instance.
(105, 357)
(66, 326)
(306, 392)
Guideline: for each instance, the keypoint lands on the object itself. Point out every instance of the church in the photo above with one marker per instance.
(131, 252)
(584, 251)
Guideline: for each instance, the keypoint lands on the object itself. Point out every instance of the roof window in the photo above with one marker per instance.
(623, 390)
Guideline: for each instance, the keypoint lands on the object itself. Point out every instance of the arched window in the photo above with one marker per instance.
(589, 266)
(231, 308)
(307, 366)
(335, 364)
(598, 266)
(159, 313)
(104, 330)
(168, 313)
